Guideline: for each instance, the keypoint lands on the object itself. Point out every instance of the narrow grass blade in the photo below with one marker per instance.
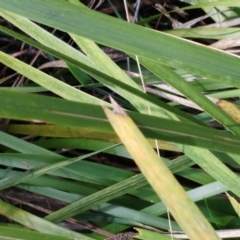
(102, 196)
(106, 65)
(15, 233)
(211, 33)
(21, 145)
(169, 76)
(113, 210)
(46, 81)
(232, 109)
(36, 223)
(195, 195)
(160, 178)
(235, 204)
(150, 235)
(40, 170)
(45, 38)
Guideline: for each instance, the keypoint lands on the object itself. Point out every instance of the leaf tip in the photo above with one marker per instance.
(117, 108)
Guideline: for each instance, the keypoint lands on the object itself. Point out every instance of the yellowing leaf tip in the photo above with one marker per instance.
(117, 108)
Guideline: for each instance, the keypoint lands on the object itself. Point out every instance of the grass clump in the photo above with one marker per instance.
(67, 161)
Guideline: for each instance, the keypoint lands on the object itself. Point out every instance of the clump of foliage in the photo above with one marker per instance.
(89, 91)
